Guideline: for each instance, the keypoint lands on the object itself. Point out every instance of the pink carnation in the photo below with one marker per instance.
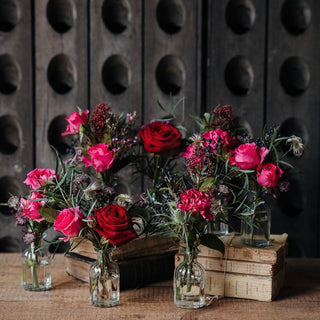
(75, 120)
(31, 208)
(248, 156)
(218, 137)
(101, 158)
(38, 177)
(69, 222)
(268, 175)
(197, 201)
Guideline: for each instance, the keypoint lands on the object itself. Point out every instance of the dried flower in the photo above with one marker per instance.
(14, 202)
(29, 237)
(296, 145)
(21, 218)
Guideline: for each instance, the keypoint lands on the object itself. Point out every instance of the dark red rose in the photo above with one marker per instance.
(159, 137)
(115, 224)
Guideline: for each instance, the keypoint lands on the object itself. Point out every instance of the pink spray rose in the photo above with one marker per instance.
(268, 174)
(38, 177)
(75, 121)
(248, 156)
(69, 222)
(198, 201)
(101, 158)
(31, 208)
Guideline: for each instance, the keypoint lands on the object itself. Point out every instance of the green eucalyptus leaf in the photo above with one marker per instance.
(49, 214)
(209, 182)
(213, 242)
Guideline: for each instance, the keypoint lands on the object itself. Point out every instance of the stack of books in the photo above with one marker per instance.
(141, 261)
(244, 272)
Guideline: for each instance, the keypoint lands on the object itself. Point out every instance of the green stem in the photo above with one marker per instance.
(33, 264)
(156, 173)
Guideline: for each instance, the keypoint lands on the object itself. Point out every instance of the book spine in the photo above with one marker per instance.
(262, 288)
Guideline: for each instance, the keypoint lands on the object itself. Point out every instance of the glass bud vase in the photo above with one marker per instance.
(255, 227)
(189, 282)
(36, 271)
(104, 281)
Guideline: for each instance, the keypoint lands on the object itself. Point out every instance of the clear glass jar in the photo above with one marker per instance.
(36, 270)
(104, 281)
(256, 226)
(189, 282)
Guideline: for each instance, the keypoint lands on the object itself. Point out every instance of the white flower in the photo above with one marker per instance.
(296, 145)
(123, 200)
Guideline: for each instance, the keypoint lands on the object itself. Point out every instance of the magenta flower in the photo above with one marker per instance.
(268, 175)
(75, 120)
(197, 201)
(101, 158)
(39, 177)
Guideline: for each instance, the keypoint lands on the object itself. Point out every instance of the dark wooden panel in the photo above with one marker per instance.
(172, 56)
(293, 101)
(115, 54)
(16, 115)
(235, 58)
(61, 71)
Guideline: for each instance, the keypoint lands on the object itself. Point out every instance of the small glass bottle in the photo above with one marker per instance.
(104, 281)
(36, 270)
(189, 282)
(255, 228)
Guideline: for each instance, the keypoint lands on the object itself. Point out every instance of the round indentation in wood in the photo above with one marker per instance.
(116, 15)
(9, 15)
(240, 15)
(10, 76)
(8, 186)
(116, 74)
(61, 73)
(170, 74)
(61, 143)
(293, 202)
(295, 75)
(171, 15)
(294, 126)
(9, 244)
(296, 16)
(239, 75)
(61, 15)
(10, 137)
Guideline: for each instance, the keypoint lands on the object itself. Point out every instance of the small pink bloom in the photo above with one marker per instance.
(31, 209)
(197, 201)
(69, 222)
(101, 158)
(248, 156)
(75, 121)
(268, 174)
(38, 177)
(218, 137)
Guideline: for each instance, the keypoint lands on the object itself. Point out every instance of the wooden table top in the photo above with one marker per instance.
(69, 299)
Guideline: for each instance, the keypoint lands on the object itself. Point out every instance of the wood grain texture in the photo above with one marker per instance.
(298, 299)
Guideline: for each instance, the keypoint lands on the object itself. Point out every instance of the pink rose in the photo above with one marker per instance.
(197, 201)
(31, 208)
(75, 121)
(218, 137)
(101, 157)
(69, 222)
(39, 177)
(268, 174)
(248, 156)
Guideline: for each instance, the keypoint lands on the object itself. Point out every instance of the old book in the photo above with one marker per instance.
(236, 266)
(140, 247)
(134, 273)
(234, 250)
(262, 288)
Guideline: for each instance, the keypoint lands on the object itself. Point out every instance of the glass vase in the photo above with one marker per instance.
(255, 227)
(189, 282)
(104, 281)
(219, 227)
(36, 271)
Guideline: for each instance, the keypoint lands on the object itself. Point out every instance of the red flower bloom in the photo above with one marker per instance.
(98, 120)
(268, 174)
(159, 137)
(115, 224)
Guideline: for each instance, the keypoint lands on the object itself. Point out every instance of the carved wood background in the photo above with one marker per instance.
(260, 56)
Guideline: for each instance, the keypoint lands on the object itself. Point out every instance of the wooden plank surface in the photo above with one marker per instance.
(69, 299)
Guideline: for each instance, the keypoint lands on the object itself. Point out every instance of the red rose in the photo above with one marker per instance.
(115, 224)
(159, 137)
(268, 174)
